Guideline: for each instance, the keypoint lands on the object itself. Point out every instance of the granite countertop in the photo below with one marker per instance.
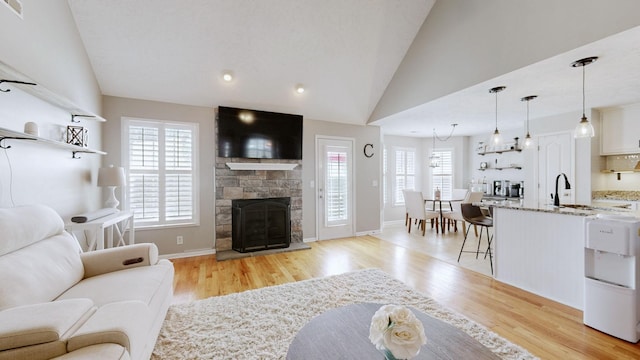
(578, 210)
(624, 195)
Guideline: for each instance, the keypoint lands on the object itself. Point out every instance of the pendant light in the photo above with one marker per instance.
(495, 138)
(528, 141)
(584, 128)
(434, 160)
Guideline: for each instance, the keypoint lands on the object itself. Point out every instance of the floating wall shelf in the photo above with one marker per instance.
(6, 134)
(503, 168)
(10, 77)
(498, 151)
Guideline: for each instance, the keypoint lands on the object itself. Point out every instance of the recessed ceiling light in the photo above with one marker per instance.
(227, 75)
(299, 88)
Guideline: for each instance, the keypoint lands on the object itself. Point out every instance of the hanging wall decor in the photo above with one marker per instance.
(77, 135)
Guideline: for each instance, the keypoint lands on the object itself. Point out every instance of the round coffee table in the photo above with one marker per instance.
(343, 333)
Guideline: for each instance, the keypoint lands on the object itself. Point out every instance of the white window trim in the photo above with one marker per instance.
(124, 127)
(394, 201)
(452, 175)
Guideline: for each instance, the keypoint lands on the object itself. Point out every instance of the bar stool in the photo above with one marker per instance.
(474, 216)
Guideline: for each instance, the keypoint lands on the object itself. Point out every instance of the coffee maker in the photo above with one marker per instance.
(515, 190)
(497, 188)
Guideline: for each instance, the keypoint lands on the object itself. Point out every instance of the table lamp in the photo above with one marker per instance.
(111, 177)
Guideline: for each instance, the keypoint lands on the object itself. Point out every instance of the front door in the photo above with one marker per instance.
(555, 153)
(335, 188)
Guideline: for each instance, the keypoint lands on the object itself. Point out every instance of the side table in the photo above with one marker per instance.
(120, 223)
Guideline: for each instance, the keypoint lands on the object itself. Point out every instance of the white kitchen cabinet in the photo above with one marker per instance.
(620, 130)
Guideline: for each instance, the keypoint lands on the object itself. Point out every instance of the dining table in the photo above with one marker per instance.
(439, 202)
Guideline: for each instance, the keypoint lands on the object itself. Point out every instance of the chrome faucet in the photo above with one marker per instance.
(556, 199)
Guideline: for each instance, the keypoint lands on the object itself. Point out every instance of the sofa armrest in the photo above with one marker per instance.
(119, 258)
(43, 322)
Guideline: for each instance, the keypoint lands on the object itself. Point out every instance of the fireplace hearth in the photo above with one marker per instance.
(261, 224)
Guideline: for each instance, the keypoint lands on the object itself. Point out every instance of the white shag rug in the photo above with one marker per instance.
(260, 324)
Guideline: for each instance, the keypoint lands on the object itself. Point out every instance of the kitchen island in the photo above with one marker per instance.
(541, 250)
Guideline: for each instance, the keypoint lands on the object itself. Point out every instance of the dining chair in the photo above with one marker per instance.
(416, 211)
(474, 216)
(455, 215)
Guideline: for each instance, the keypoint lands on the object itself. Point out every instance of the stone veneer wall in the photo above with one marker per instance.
(255, 184)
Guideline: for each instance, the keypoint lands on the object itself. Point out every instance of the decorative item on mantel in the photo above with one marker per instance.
(397, 332)
(77, 135)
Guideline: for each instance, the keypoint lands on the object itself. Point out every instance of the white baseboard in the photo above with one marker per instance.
(188, 254)
(313, 239)
(393, 223)
(370, 232)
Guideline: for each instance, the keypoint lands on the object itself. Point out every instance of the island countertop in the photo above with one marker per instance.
(566, 209)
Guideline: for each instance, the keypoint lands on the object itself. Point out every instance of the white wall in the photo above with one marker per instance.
(367, 171)
(46, 46)
(465, 42)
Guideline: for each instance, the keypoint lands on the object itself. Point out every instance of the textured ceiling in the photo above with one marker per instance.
(343, 52)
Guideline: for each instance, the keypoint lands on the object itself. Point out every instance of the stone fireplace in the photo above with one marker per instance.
(255, 184)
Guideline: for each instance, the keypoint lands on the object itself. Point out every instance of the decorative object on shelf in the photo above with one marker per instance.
(584, 128)
(483, 165)
(111, 177)
(368, 153)
(434, 159)
(31, 128)
(77, 135)
(495, 138)
(528, 141)
(397, 332)
(481, 147)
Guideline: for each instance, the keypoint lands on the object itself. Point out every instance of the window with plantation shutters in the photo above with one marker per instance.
(161, 162)
(442, 175)
(405, 173)
(336, 187)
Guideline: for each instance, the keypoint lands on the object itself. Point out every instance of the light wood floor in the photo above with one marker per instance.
(547, 329)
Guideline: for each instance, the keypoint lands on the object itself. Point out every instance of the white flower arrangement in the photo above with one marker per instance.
(395, 328)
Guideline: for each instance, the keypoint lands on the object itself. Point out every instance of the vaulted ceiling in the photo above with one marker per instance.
(345, 53)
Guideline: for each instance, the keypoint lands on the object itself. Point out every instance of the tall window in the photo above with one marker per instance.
(405, 177)
(161, 162)
(442, 176)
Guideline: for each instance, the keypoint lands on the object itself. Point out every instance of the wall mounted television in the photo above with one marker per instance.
(255, 134)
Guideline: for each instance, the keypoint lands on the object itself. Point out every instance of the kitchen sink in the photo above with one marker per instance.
(577, 206)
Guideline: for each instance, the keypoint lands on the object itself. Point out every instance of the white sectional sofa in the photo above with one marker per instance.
(57, 302)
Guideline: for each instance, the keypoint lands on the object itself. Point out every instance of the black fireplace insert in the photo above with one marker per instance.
(260, 224)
